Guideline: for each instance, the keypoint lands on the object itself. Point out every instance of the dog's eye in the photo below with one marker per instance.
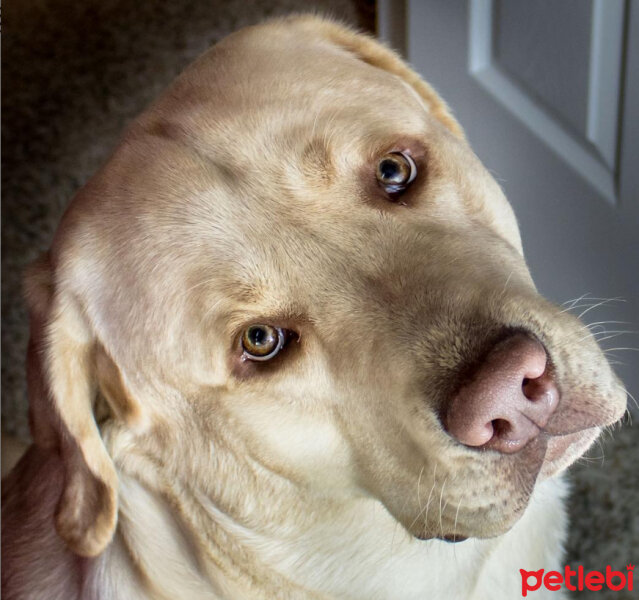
(395, 171)
(263, 342)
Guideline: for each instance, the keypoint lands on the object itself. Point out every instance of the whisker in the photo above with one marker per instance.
(618, 331)
(614, 334)
(588, 302)
(608, 323)
(596, 329)
(569, 308)
(630, 396)
(588, 298)
(602, 451)
(455, 524)
(503, 291)
(441, 510)
(570, 341)
(419, 514)
(600, 304)
(404, 506)
(575, 300)
(589, 459)
(428, 503)
(617, 349)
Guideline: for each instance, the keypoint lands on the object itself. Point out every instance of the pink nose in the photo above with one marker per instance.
(509, 399)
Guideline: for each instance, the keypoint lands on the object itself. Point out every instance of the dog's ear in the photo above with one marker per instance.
(61, 373)
(374, 53)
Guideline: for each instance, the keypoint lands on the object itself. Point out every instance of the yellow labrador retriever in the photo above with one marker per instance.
(285, 345)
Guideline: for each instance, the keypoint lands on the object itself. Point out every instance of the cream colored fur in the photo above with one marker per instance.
(165, 465)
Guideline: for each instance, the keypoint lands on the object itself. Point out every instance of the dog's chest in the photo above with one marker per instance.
(361, 553)
(368, 556)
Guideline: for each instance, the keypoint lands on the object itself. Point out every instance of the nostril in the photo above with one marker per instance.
(501, 428)
(537, 388)
(528, 388)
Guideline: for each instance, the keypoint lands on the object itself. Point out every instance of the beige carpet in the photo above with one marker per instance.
(74, 73)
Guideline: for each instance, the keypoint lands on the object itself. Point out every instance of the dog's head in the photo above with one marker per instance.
(294, 257)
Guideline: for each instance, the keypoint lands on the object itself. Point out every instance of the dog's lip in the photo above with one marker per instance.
(452, 539)
(580, 409)
(449, 538)
(558, 457)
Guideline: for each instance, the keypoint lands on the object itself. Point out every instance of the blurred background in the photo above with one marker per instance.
(547, 91)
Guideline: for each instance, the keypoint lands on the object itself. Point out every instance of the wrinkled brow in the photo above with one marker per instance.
(316, 160)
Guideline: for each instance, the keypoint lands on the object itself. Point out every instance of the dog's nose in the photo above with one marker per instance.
(508, 400)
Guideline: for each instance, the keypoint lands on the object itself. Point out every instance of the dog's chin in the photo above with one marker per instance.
(481, 528)
(553, 455)
(562, 451)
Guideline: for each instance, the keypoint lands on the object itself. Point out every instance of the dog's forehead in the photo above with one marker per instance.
(248, 172)
(260, 92)
(244, 140)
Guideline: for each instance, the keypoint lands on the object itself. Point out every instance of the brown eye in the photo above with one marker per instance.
(395, 171)
(262, 342)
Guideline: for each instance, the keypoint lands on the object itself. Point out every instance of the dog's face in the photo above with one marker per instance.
(295, 256)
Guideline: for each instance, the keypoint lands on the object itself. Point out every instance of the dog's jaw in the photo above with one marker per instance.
(217, 554)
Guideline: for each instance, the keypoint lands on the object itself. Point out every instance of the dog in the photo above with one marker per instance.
(285, 345)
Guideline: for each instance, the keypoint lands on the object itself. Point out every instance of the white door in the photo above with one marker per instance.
(548, 93)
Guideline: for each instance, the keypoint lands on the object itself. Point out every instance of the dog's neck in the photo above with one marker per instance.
(356, 550)
(181, 542)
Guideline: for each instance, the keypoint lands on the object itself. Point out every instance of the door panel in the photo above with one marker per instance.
(557, 66)
(555, 72)
(548, 94)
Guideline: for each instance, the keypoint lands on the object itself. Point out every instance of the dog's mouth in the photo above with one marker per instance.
(563, 450)
(449, 538)
(452, 539)
(542, 458)
(560, 452)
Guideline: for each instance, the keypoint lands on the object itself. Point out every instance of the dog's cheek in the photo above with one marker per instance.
(301, 444)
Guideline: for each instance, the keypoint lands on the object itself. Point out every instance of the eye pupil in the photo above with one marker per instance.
(258, 335)
(395, 171)
(262, 342)
(390, 171)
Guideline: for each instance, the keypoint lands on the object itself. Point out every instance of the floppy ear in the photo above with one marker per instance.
(374, 53)
(62, 384)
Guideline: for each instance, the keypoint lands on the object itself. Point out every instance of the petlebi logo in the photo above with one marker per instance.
(577, 580)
